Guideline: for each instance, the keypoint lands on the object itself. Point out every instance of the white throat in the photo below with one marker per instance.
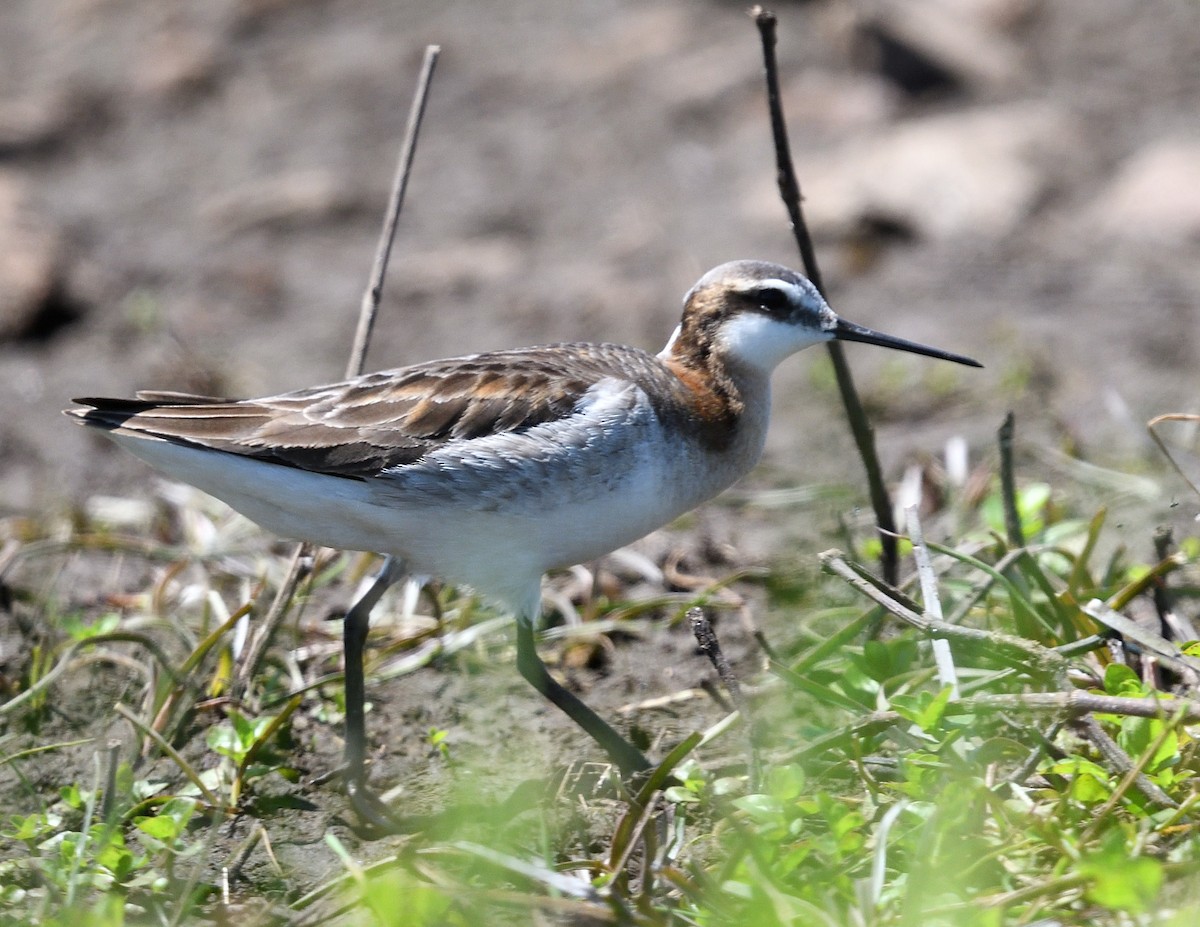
(762, 343)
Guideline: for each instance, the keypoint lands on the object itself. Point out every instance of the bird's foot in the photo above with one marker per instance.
(375, 818)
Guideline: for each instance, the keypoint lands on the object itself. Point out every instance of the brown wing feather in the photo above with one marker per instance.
(363, 426)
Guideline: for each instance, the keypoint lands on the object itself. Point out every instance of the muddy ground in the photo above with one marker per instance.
(190, 196)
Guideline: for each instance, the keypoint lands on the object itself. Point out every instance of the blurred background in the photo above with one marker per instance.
(190, 195)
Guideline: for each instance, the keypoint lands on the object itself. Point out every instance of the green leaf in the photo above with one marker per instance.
(1089, 781)
(80, 629)
(931, 716)
(923, 709)
(876, 660)
(117, 860)
(224, 740)
(1032, 503)
(1119, 882)
(32, 827)
(1121, 680)
(160, 828)
(763, 809)
(785, 782)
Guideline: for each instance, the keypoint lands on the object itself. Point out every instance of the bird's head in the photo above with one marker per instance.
(756, 314)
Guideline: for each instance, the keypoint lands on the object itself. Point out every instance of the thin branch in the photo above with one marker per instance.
(710, 646)
(1119, 760)
(1008, 484)
(408, 149)
(1068, 704)
(256, 649)
(1174, 623)
(1150, 642)
(789, 191)
(368, 309)
(1044, 746)
(1074, 703)
(1027, 653)
(1069, 701)
(1152, 427)
(947, 676)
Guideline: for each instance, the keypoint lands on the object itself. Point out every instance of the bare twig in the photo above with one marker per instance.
(1026, 652)
(1134, 776)
(1069, 701)
(1174, 623)
(933, 603)
(1068, 704)
(1152, 643)
(706, 637)
(1045, 744)
(371, 297)
(1152, 427)
(358, 353)
(265, 632)
(1119, 760)
(1008, 485)
(1075, 702)
(188, 770)
(710, 646)
(789, 191)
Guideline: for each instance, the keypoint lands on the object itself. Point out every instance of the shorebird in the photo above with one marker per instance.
(491, 469)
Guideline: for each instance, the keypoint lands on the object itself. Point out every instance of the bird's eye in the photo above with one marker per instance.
(773, 300)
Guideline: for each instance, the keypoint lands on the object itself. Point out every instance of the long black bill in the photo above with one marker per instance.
(848, 331)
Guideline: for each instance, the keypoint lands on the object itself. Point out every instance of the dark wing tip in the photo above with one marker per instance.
(107, 413)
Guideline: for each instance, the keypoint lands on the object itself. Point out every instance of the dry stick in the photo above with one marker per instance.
(1023, 618)
(1173, 623)
(370, 300)
(1008, 485)
(947, 675)
(1152, 427)
(1046, 660)
(1134, 776)
(1151, 643)
(706, 637)
(1075, 702)
(1045, 744)
(1027, 652)
(256, 648)
(1118, 759)
(366, 322)
(789, 191)
(1070, 704)
(1164, 540)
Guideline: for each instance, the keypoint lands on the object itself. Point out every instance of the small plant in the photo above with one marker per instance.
(439, 741)
(245, 744)
(72, 857)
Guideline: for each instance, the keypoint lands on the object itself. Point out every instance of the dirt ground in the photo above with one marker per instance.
(190, 195)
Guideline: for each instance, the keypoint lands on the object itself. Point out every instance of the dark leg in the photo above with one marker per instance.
(627, 757)
(354, 637)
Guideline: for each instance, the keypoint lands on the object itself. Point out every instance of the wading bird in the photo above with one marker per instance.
(490, 469)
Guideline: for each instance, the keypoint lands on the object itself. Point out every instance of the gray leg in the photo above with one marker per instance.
(624, 754)
(354, 637)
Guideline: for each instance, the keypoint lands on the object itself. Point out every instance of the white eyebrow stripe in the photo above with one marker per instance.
(772, 282)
